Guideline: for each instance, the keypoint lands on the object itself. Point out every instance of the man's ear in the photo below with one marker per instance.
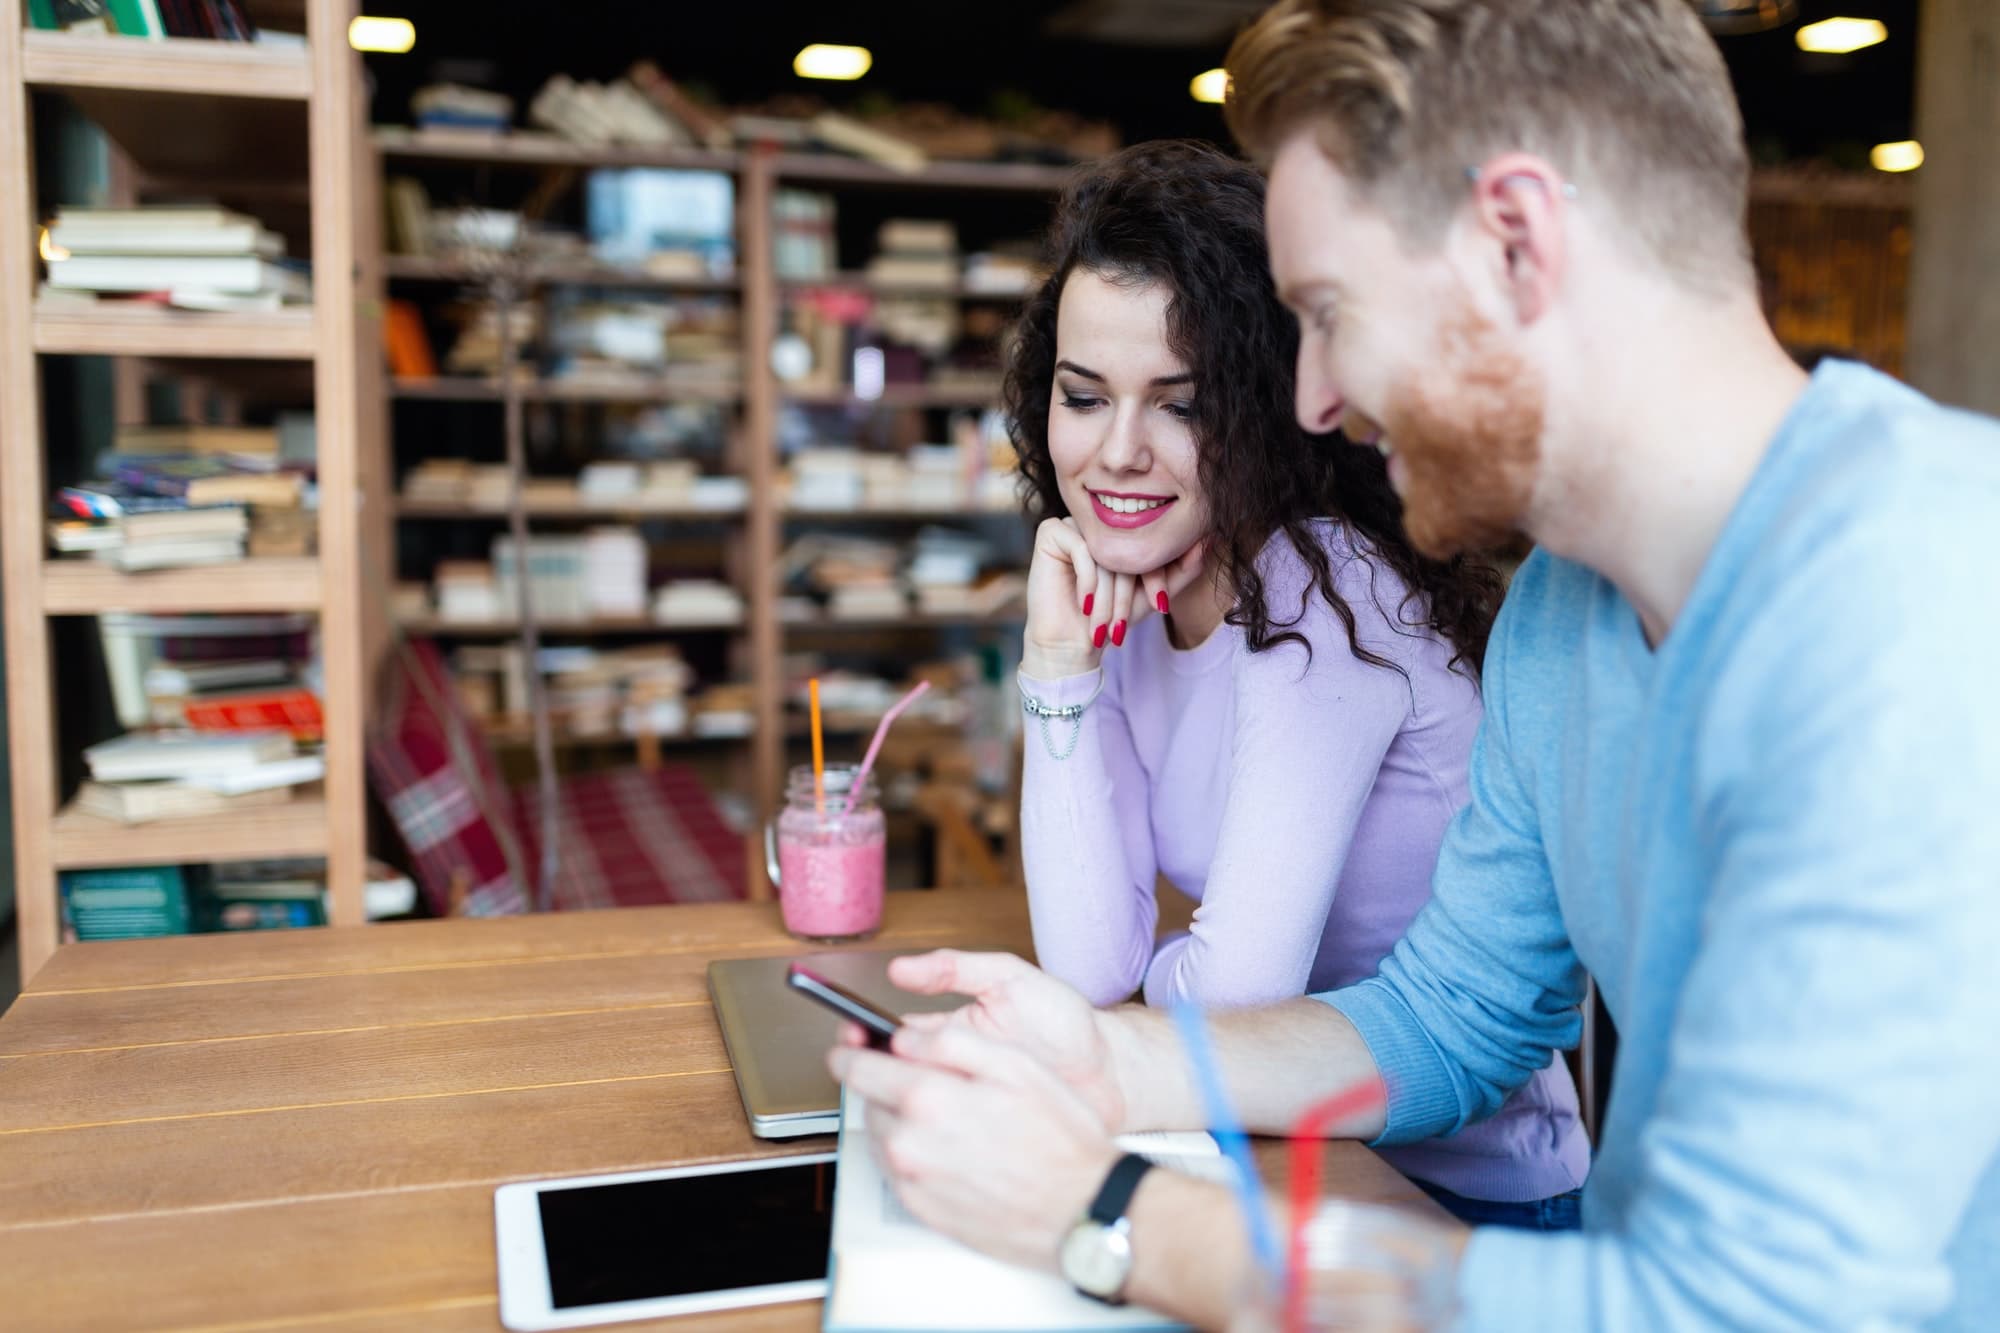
(1519, 208)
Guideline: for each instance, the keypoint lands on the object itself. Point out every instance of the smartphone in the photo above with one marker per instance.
(640, 1245)
(878, 1025)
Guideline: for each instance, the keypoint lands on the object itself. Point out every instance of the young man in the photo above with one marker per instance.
(1740, 757)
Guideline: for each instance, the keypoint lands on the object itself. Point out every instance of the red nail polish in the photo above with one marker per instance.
(1089, 600)
(1118, 635)
(1097, 639)
(1160, 600)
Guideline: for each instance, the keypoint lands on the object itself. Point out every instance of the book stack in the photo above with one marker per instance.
(725, 711)
(913, 252)
(557, 590)
(701, 124)
(189, 495)
(195, 258)
(605, 113)
(804, 247)
(212, 654)
(697, 602)
(614, 571)
(176, 539)
(995, 273)
(146, 776)
(477, 350)
(468, 593)
(454, 108)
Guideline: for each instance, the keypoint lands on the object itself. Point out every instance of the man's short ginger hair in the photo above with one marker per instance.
(1628, 98)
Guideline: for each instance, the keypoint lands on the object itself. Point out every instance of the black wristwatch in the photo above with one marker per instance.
(1096, 1255)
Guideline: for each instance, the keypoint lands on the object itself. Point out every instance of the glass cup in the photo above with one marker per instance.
(1368, 1269)
(828, 864)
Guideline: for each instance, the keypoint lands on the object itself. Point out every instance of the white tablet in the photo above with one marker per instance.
(597, 1249)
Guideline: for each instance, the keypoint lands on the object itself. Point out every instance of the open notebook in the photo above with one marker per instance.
(889, 1271)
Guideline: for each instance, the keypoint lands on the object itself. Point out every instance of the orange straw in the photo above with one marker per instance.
(819, 752)
(1307, 1150)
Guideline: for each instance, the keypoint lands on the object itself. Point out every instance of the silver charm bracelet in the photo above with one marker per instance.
(1071, 713)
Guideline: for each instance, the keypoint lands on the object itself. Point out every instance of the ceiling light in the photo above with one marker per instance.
(1836, 37)
(1903, 155)
(394, 36)
(1211, 85)
(820, 61)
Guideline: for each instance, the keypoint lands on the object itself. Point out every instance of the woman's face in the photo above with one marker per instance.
(1120, 432)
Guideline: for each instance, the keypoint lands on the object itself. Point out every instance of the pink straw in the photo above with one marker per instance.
(881, 733)
(1307, 1150)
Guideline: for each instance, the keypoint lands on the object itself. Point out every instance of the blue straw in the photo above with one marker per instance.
(1228, 1131)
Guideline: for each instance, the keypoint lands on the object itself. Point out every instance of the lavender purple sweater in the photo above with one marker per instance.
(1301, 804)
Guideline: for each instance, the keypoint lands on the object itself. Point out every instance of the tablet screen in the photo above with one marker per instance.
(644, 1239)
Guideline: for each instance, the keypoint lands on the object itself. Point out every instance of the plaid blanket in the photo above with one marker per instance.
(627, 838)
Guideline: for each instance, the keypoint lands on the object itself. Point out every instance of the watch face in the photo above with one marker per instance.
(1097, 1259)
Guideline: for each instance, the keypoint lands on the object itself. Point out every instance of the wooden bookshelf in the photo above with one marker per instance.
(751, 548)
(415, 268)
(507, 626)
(296, 828)
(466, 389)
(903, 395)
(517, 734)
(578, 508)
(80, 586)
(828, 169)
(851, 281)
(535, 150)
(113, 329)
(915, 620)
(277, 131)
(167, 67)
(899, 514)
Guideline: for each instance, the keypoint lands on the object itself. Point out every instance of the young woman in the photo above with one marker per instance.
(1284, 737)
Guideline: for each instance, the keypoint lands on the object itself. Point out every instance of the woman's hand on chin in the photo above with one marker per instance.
(1077, 608)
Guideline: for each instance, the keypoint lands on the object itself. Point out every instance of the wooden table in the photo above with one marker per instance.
(304, 1129)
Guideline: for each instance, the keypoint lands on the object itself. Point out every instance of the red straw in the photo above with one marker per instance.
(1307, 1133)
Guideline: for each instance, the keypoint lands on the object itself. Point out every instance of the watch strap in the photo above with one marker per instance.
(1115, 1195)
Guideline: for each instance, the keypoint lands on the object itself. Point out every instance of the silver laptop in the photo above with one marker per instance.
(778, 1039)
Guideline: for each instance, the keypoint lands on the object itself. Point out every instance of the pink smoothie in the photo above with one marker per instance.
(832, 885)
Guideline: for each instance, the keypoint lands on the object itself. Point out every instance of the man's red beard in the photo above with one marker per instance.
(1468, 431)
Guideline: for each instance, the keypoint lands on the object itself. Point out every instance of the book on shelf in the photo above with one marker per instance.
(126, 18)
(155, 273)
(129, 902)
(697, 602)
(453, 106)
(181, 679)
(891, 1272)
(865, 141)
(277, 490)
(150, 802)
(146, 756)
(409, 216)
(172, 553)
(407, 344)
(293, 709)
(296, 771)
(702, 125)
(236, 443)
(167, 232)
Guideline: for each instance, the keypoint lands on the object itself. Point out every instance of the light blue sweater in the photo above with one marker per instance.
(1775, 842)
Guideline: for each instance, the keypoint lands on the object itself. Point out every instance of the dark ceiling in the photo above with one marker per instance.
(970, 54)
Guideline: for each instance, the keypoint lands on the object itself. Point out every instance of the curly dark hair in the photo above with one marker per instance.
(1189, 217)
